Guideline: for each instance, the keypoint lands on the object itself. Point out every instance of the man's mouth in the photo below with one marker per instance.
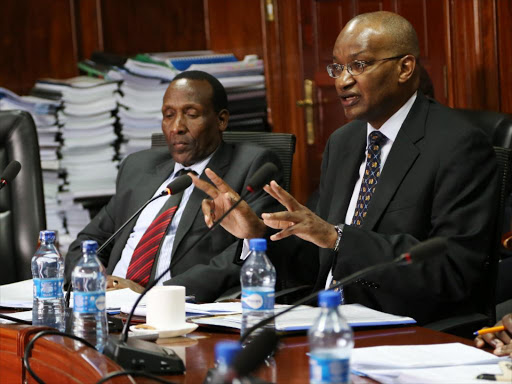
(349, 100)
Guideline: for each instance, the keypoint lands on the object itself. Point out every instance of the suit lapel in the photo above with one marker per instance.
(400, 160)
(219, 164)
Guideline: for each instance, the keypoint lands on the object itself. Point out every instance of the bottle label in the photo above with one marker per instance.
(48, 288)
(258, 299)
(88, 302)
(328, 370)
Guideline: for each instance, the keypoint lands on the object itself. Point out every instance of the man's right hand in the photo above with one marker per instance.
(501, 341)
(115, 282)
(242, 222)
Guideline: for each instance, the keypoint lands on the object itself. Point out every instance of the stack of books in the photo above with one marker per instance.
(44, 112)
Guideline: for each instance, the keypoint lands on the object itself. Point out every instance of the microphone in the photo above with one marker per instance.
(178, 185)
(417, 253)
(10, 172)
(128, 352)
(250, 357)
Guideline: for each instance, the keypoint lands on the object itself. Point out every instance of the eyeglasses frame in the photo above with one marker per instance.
(364, 62)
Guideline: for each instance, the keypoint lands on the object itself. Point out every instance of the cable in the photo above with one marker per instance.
(133, 373)
(30, 346)
(15, 320)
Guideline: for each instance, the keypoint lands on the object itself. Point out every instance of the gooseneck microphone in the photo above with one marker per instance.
(178, 185)
(10, 172)
(128, 352)
(417, 253)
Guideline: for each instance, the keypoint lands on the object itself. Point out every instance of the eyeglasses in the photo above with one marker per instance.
(356, 67)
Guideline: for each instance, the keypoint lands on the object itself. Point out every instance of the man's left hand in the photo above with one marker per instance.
(115, 282)
(298, 220)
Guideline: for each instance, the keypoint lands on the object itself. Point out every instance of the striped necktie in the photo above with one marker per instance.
(146, 250)
(370, 178)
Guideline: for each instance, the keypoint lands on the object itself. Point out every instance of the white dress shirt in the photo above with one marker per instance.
(389, 129)
(147, 216)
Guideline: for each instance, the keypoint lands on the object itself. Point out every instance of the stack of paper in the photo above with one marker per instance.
(88, 132)
(44, 113)
(437, 363)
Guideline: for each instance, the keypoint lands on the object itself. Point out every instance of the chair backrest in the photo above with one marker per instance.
(22, 211)
(283, 144)
(496, 124)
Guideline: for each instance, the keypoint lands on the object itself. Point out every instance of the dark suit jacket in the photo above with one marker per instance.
(439, 180)
(208, 270)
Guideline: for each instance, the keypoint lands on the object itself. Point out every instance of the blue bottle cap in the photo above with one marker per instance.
(89, 246)
(329, 299)
(258, 244)
(47, 236)
(225, 352)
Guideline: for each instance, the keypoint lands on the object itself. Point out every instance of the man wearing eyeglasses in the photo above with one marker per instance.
(404, 170)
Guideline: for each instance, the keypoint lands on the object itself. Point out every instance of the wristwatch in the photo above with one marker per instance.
(339, 229)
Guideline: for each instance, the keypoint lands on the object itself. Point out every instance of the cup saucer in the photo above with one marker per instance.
(165, 333)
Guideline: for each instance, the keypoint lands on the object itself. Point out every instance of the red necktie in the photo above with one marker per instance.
(145, 253)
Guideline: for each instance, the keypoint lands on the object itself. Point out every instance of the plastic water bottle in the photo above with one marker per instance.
(258, 280)
(330, 343)
(225, 352)
(89, 308)
(48, 276)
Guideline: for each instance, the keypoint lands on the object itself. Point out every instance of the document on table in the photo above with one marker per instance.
(436, 363)
(302, 318)
(19, 295)
(193, 310)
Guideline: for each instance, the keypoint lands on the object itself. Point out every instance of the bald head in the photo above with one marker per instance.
(395, 31)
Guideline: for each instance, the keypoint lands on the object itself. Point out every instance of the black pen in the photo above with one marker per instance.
(491, 377)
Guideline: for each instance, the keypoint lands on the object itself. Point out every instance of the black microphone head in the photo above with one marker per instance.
(11, 171)
(179, 184)
(428, 248)
(255, 353)
(261, 177)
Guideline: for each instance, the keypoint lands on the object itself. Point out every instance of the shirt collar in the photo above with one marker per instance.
(392, 125)
(197, 167)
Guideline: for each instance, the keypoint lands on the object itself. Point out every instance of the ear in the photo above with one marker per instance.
(222, 120)
(407, 67)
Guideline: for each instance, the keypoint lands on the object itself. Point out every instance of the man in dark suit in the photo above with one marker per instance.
(194, 116)
(406, 169)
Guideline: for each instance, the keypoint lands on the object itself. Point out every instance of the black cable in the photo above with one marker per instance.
(20, 321)
(133, 373)
(30, 346)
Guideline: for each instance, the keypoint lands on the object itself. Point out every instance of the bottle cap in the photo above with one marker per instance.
(258, 244)
(47, 236)
(89, 246)
(329, 299)
(225, 352)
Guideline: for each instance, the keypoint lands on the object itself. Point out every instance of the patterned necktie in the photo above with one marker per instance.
(144, 254)
(370, 177)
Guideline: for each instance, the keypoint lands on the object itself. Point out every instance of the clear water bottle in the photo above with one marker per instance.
(330, 343)
(48, 276)
(89, 308)
(258, 280)
(225, 352)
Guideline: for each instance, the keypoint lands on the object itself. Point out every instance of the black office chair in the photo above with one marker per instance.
(22, 211)
(283, 144)
(498, 127)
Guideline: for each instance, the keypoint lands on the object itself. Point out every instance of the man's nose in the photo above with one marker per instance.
(178, 125)
(345, 80)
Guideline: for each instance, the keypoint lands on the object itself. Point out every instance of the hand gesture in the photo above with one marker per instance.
(242, 222)
(298, 220)
(501, 341)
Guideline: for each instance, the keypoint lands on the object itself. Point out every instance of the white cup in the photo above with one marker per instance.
(166, 307)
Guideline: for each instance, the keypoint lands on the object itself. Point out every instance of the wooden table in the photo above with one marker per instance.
(60, 360)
